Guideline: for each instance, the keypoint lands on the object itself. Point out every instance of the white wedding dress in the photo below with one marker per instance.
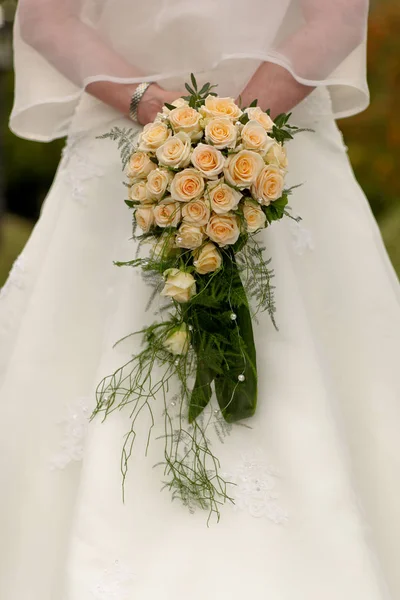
(317, 471)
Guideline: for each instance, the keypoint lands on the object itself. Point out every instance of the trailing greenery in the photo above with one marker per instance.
(125, 138)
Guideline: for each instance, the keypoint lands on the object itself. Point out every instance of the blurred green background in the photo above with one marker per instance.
(373, 137)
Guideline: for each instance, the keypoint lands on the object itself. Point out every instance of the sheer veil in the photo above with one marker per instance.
(62, 45)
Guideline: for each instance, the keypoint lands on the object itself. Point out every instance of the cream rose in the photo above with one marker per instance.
(153, 136)
(221, 133)
(187, 185)
(196, 212)
(269, 185)
(255, 113)
(178, 342)
(223, 229)
(144, 217)
(138, 192)
(179, 285)
(207, 259)
(208, 160)
(175, 152)
(254, 137)
(223, 198)
(243, 168)
(189, 236)
(276, 155)
(157, 183)
(254, 216)
(188, 120)
(140, 165)
(167, 213)
(176, 103)
(215, 106)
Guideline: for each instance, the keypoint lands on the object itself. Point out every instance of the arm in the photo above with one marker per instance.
(54, 29)
(332, 29)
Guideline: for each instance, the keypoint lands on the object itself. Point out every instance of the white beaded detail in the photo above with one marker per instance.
(114, 583)
(255, 488)
(75, 424)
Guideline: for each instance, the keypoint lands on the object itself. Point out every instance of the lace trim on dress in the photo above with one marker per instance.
(75, 423)
(114, 583)
(302, 239)
(256, 489)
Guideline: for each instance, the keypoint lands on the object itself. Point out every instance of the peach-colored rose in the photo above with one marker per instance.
(215, 106)
(153, 136)
(208, 160)
(254, 216)
(187, 185)
(144, 217)
(186, 119)
(196, 212)
(140, 165)
(175, 152)
(223, 198)
(223, 229)
(179, 285)
(176, 103)
(276, 155)
(157, 183)
(167, 213)
(254, 137)
(221, 133)
(189, 236)
(269, 185)
(255, 113)
(138, 192)
(242, 169)
(207, 259)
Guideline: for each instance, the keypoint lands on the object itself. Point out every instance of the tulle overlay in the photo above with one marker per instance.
(128, 41)
(315, 473)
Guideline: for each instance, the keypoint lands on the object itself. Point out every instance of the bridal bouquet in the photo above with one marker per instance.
(204, 178)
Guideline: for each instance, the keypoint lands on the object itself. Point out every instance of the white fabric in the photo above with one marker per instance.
(62, 45)
(317, 474)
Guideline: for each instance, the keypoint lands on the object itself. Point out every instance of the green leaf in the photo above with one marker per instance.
(254, 103)
(244, 118)
(280, 120)
(189, 89)
(238, 400)
(130, 203)
(201, 393)
(276, 209)
(170, 106)
(204, 89)
(193, 80)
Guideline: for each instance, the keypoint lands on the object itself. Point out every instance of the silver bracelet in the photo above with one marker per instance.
(136, 98)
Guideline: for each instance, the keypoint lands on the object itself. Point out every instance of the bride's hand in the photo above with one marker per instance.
(152, 102)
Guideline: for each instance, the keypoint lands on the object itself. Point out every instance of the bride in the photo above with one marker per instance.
(316, 472)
